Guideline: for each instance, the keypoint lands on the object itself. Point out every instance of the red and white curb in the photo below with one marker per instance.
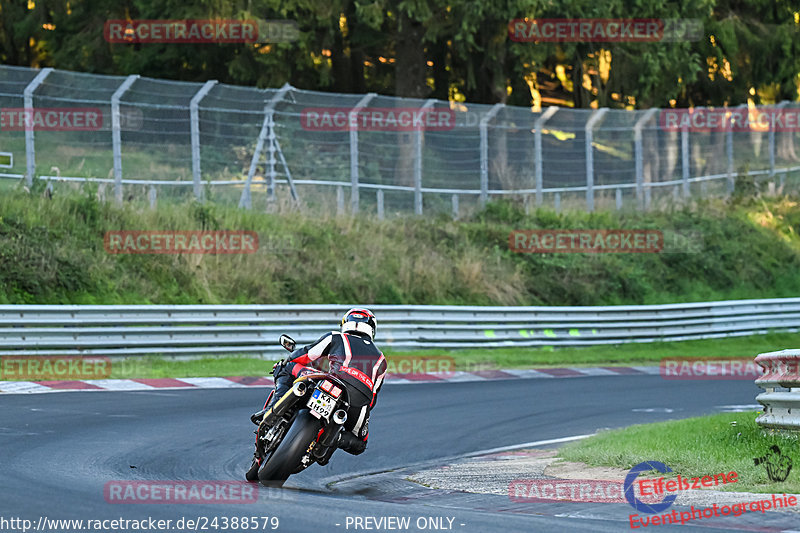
(33, 387)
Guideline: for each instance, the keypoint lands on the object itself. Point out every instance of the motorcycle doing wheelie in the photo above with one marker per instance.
(303, 426)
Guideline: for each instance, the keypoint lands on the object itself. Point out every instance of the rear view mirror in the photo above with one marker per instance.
(287, 342)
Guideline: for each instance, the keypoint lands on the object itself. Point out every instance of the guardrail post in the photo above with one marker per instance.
(484, 128)
(116, 134)
(266, 128)
(596, 116)
(352, 121)
(194, 118)
(638, 150)
(537, 147)
(30, 150)
(418, 162)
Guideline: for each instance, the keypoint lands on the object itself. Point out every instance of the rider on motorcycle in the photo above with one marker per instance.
(352, 355)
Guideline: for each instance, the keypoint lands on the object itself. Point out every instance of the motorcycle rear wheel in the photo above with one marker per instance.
(285, 460)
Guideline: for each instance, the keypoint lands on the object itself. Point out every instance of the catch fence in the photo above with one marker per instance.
(267, 148)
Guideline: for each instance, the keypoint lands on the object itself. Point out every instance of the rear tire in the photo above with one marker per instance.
(285, 460)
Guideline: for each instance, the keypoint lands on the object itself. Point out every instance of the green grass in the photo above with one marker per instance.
(695, 447)
(471, 360)
(51, 251)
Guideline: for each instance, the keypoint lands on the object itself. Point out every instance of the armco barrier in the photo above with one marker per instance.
(781, 407)
(254, 329)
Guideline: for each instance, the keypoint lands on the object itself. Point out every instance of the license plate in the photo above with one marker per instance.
(321, 403)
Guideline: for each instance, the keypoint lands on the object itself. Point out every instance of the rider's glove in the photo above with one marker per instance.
(277, 367)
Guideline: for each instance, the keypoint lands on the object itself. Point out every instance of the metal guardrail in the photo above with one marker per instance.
(781, 407)
(180, 330)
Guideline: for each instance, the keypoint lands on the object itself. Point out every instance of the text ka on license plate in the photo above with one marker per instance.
(321, 404)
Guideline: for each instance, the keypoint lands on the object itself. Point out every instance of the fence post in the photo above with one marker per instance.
(266, 126)
(352, 122)
(596, 116)
(379, 198)
(30, 150)
(618, 197)
(194, 118)
(418, 162)
(639, 155)
(776, 113)
(339, 200)
(484, 127)
(116, 134)
(454, 202)
(729, 149)
(537, 144)
(685, 162)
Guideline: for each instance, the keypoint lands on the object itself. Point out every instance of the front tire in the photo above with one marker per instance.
(285, 460)
(252, 473)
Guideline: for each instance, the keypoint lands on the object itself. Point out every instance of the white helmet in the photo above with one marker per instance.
(360, 320)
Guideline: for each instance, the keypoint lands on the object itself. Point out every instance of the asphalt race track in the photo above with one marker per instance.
(60, 449)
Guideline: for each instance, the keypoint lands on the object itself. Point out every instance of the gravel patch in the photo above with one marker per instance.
(491, 474)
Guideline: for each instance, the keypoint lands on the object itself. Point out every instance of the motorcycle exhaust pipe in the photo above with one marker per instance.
(276, 411)
(332, 430)
(340, 417)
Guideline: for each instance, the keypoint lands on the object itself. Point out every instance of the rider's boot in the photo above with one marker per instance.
(350, 443)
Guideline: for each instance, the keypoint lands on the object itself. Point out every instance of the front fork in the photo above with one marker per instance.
(275, 413)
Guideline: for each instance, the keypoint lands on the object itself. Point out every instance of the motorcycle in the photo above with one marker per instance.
(301, 428)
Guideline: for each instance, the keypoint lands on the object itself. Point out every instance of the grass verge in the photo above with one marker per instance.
(52, 252)
(695, 447)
